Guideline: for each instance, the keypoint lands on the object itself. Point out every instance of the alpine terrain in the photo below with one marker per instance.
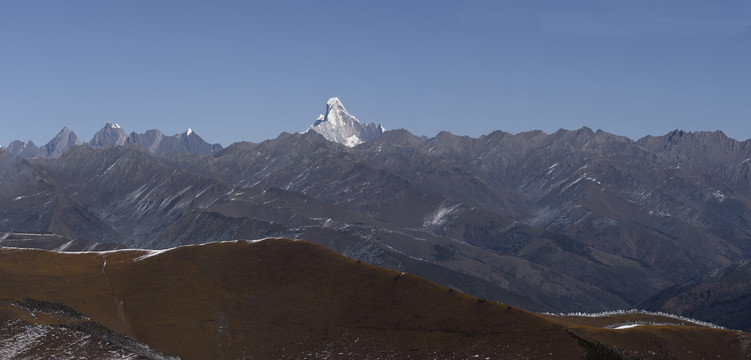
(577, 221)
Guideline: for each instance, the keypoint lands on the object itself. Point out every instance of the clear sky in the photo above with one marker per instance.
(249, 70)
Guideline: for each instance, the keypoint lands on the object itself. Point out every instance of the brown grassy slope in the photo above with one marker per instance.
(659, 337)
(282, 298)
(271, 299)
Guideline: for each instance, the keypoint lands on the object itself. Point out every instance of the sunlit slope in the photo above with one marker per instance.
(277, 298)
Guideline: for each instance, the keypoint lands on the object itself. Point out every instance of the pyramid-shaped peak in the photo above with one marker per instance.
(334, 105)
(337, 114)
(338, 125)
(62, 142)
(334, 101)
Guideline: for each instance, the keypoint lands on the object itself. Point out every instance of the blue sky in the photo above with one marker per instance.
(249, 70)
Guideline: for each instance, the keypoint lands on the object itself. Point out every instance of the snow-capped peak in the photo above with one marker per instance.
(337, 114)
(112, 125)
(338, 125)
(334, 101)
(190, 131)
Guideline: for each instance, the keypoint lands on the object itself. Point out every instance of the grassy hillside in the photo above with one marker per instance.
(292, 299)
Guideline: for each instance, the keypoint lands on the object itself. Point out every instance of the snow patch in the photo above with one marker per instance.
(659, 213)
(552, 168)
(593, 180)
(719, 195)
(151, 253)
(190, 131)
(26, 196)
(440, 216)
(65, 246)
(352, 141)
(627, 326)
(573, 183)
(28, 338)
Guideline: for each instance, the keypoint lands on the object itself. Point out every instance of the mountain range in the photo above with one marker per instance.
(577, 220)
(113, 135)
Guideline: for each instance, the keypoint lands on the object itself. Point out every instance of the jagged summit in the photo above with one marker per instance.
(337, 114)
(338, 125)
(113, 135)
(62, 142)
(158, 143)
(110, 135)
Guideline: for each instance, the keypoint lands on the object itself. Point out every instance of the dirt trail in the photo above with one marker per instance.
(118, 302)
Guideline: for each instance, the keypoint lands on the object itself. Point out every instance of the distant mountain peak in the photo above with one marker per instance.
(337, 114)
(188, 141)
(110, 135)
(62, 142)
(339, 126)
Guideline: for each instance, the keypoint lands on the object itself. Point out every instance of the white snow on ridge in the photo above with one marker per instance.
(644, 312)
(148, 252)
(627, 326)
(151, 253)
